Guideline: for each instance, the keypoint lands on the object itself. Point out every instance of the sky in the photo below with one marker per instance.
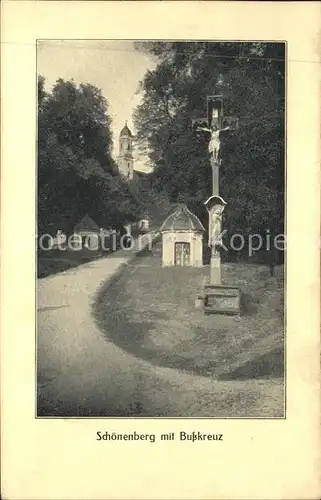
(113, 66)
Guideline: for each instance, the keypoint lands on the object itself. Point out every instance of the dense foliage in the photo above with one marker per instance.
(251, 77)
(76, 172)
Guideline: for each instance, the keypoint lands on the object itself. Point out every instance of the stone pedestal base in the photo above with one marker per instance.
(220, 299)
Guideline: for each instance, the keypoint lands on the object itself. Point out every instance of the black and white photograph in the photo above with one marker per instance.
(161, 229)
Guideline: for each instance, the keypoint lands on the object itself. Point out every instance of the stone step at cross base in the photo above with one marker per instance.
(221, 299)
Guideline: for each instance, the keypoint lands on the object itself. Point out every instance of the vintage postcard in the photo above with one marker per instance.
(168, 226)
(160, 243)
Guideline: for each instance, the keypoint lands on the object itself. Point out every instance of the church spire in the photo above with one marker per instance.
(125, 158)
(126, 131)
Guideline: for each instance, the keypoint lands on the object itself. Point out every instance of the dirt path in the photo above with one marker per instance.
(82, 374)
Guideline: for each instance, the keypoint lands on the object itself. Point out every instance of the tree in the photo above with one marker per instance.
(250, 76)
(76, 172)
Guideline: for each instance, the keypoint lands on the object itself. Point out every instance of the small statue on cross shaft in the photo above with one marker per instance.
(215, 236)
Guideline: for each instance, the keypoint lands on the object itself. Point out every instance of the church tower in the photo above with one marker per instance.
(125, 158)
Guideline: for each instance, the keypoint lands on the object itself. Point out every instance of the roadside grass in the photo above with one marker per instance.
(56, 261)
(183, 364)
(149, 311)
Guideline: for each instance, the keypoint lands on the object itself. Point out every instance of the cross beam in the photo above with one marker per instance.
(214, 124)
(215, 115)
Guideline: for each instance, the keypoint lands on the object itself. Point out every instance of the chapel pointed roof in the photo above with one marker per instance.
(85, 224)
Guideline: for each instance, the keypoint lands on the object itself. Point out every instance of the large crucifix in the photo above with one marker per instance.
(215, 124)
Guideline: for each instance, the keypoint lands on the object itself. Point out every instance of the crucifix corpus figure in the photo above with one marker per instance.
(215, 142)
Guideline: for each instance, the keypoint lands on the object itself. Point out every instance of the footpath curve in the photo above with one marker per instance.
(80, 373)
(72, 355)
